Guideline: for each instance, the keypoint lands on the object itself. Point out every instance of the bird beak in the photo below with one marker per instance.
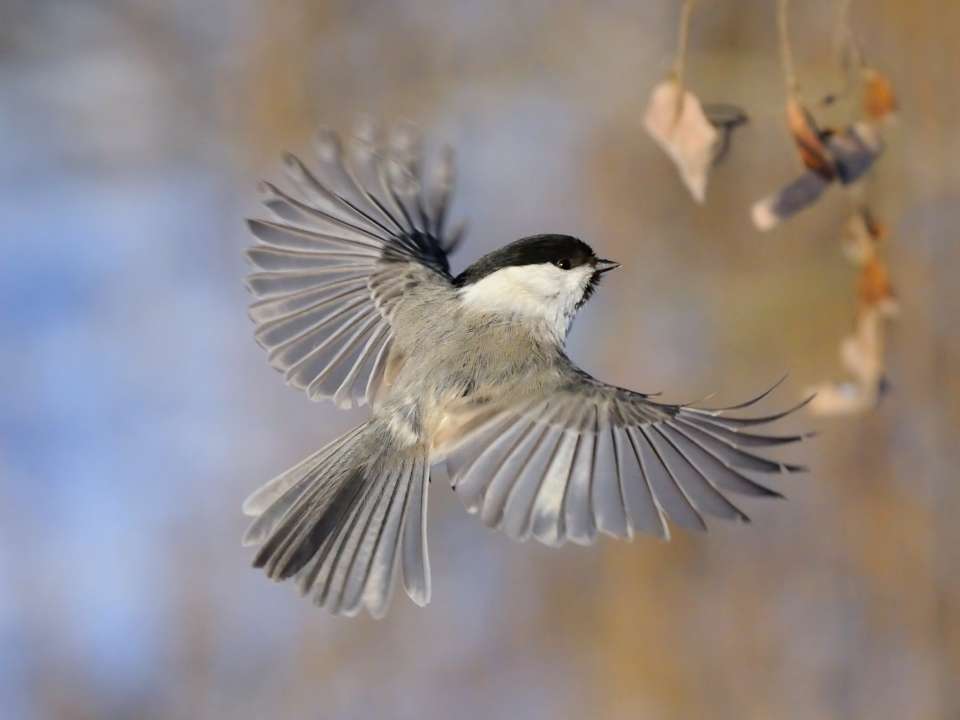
(603, 266)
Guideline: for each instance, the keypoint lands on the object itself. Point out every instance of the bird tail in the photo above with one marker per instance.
(339, 519)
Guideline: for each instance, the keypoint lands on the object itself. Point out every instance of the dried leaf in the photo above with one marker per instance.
(725, 118)
(809, 139)
(853, 151)
(879, 100)
(845, 156)
(877, 230)
(725, 115)
(857, 240)
(860, 237)
(862, 352)
(842, 398)
(874, 289)
(675, 119)
(799, 194)
(862, 356)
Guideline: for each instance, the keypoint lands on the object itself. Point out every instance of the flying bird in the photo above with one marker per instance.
(355, 302)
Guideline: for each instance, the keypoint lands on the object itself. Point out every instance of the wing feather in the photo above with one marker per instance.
(346, 241)
(643, 508)
(518, 518)
(607, 497)
(671, 496)
(579, 519)
(582, 457)
(698, 487)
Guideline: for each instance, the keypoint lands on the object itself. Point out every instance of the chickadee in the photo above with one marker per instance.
(355, 302)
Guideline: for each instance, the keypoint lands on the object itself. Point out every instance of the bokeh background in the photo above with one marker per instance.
(136, 412)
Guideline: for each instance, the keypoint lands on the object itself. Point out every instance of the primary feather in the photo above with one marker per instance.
(332, 263)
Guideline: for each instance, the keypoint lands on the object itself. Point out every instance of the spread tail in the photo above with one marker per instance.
(339, 519)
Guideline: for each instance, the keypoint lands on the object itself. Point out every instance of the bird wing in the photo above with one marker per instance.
(333, 262)
(582, 456)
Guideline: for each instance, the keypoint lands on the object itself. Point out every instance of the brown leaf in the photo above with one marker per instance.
(873, 287)
(675, 119)
(862, 356)
(844, 156)
(861, 235)
(876, 229)
(809, 139)
(879, 100)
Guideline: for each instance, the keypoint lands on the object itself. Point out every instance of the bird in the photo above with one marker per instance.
(466, 377)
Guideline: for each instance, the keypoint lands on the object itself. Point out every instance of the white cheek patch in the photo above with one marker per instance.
(511, 290)
(538, 292)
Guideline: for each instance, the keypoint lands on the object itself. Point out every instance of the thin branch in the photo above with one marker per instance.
(680, 59)
(842, 34)
(847, 46)
(786, 52)
(848, 53)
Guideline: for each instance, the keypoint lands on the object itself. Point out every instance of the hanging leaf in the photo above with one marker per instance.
(874, 288)
(860, 237)
(879, 99)
(844, 156)
(726, 119)
(843, 398)
(676, 121)
(862, 353)
(809, 139)
(853, 151)
(799, 194)
(862, 356)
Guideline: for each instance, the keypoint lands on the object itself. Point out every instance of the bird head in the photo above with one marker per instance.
(542, 279)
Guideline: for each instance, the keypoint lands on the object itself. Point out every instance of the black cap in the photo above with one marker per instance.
(562, 250)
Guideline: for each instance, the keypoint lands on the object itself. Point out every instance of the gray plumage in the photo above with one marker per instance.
(354, 302)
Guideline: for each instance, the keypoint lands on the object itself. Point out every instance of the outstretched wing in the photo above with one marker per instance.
(585, 457)
(333, 262)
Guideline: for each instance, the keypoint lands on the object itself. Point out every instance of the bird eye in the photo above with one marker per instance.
(563, 264)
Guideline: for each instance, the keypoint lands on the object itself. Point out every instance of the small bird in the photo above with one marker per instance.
(354, 301)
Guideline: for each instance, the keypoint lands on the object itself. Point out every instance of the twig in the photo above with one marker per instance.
(786, 53)
(850, 57)
(842, 34)
(680, 60)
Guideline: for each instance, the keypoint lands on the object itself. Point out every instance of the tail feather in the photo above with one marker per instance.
(265, 496)
(342, 587)
(308, 524)
(379, 580)
(295, 491)
(341, 521)
(355, 574)
(416, 563)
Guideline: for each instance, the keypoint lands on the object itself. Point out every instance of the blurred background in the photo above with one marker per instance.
(136, 412)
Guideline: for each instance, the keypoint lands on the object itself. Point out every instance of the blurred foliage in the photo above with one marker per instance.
(138, 411)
